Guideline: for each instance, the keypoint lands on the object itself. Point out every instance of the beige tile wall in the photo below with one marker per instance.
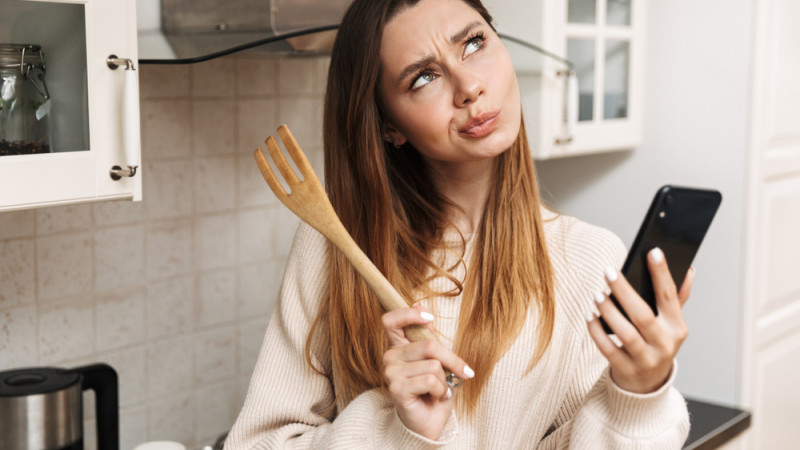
(175, 291)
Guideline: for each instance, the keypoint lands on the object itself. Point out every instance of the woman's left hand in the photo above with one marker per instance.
(649, 343)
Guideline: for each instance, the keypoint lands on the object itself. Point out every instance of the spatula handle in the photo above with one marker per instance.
(387, 295)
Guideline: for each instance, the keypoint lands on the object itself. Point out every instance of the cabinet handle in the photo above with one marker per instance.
(130, 118)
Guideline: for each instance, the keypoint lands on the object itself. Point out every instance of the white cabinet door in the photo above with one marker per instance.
(77, 37)
(771, 341)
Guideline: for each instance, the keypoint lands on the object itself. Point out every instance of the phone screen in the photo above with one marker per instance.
(676, 222)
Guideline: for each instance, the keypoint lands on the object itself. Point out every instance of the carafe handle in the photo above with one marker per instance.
(102, 378)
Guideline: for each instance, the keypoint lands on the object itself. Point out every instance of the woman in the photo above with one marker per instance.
(428, 166)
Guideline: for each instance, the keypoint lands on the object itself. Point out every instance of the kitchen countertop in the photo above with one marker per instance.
(713, 425)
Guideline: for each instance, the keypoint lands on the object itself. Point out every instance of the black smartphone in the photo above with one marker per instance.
(676, 222)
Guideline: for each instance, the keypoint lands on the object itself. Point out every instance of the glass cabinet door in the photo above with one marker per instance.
(603, 41)
(597, 42)
(44, 105)
(615, 79)
(61, 105)
(581, 52)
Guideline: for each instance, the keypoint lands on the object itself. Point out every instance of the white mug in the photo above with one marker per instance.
(160, 445)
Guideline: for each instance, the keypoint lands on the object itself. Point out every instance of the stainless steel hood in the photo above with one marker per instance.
(184, 31)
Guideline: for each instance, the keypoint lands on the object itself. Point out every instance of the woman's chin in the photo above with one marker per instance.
(499, 141)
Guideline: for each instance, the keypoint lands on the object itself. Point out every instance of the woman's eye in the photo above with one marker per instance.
(473, 46)
(423, 79)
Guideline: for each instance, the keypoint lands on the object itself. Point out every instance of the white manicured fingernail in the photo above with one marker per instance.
(469, 372)
(599, 297)
(656, 255)
(449, 393)
(426, 316)
(589, 316)
(611, 274)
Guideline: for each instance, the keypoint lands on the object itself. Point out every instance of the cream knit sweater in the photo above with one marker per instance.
(567, 401)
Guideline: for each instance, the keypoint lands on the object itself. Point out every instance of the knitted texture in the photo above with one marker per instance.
(568, 400)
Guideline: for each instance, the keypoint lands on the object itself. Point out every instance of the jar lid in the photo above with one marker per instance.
(22, 56)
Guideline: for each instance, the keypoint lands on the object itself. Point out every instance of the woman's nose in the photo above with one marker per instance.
(468, 87)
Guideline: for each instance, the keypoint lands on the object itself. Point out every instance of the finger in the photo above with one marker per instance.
(421, 308)
(638, 311)
(421, 385)
(422, 367)
(686, 287)
(663, 284)
(394, 321)
(396, 367)
(432, 349)
(630, 337)
(397, 370)
(617, 357)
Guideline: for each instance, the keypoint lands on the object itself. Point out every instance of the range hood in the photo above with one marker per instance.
(187, 31)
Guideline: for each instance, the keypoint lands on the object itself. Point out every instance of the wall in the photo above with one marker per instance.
(175, 291)
(695, 133)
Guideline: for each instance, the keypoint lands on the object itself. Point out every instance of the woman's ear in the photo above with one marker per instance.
(393, 136)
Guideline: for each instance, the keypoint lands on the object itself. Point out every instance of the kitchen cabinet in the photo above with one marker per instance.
(93, 129)
(592, 102)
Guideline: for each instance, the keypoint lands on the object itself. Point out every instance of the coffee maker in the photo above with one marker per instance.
(42, 407)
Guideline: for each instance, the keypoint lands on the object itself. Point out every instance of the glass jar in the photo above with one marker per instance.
(24, 101)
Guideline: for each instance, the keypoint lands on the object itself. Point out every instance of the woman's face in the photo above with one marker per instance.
(448, 84)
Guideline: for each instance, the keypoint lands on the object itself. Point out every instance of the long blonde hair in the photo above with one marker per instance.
(387, 201)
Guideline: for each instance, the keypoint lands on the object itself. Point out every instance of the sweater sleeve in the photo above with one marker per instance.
(597, 413)
(609, 417)
(614, 418)
(284, 403)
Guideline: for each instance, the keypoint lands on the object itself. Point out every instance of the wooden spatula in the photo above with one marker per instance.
(309, 202)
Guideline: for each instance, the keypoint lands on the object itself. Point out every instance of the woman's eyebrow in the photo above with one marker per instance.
(456, 38)
(421, 63)
(415, 67)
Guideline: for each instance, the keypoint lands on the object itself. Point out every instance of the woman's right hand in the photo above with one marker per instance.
(415, 375)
